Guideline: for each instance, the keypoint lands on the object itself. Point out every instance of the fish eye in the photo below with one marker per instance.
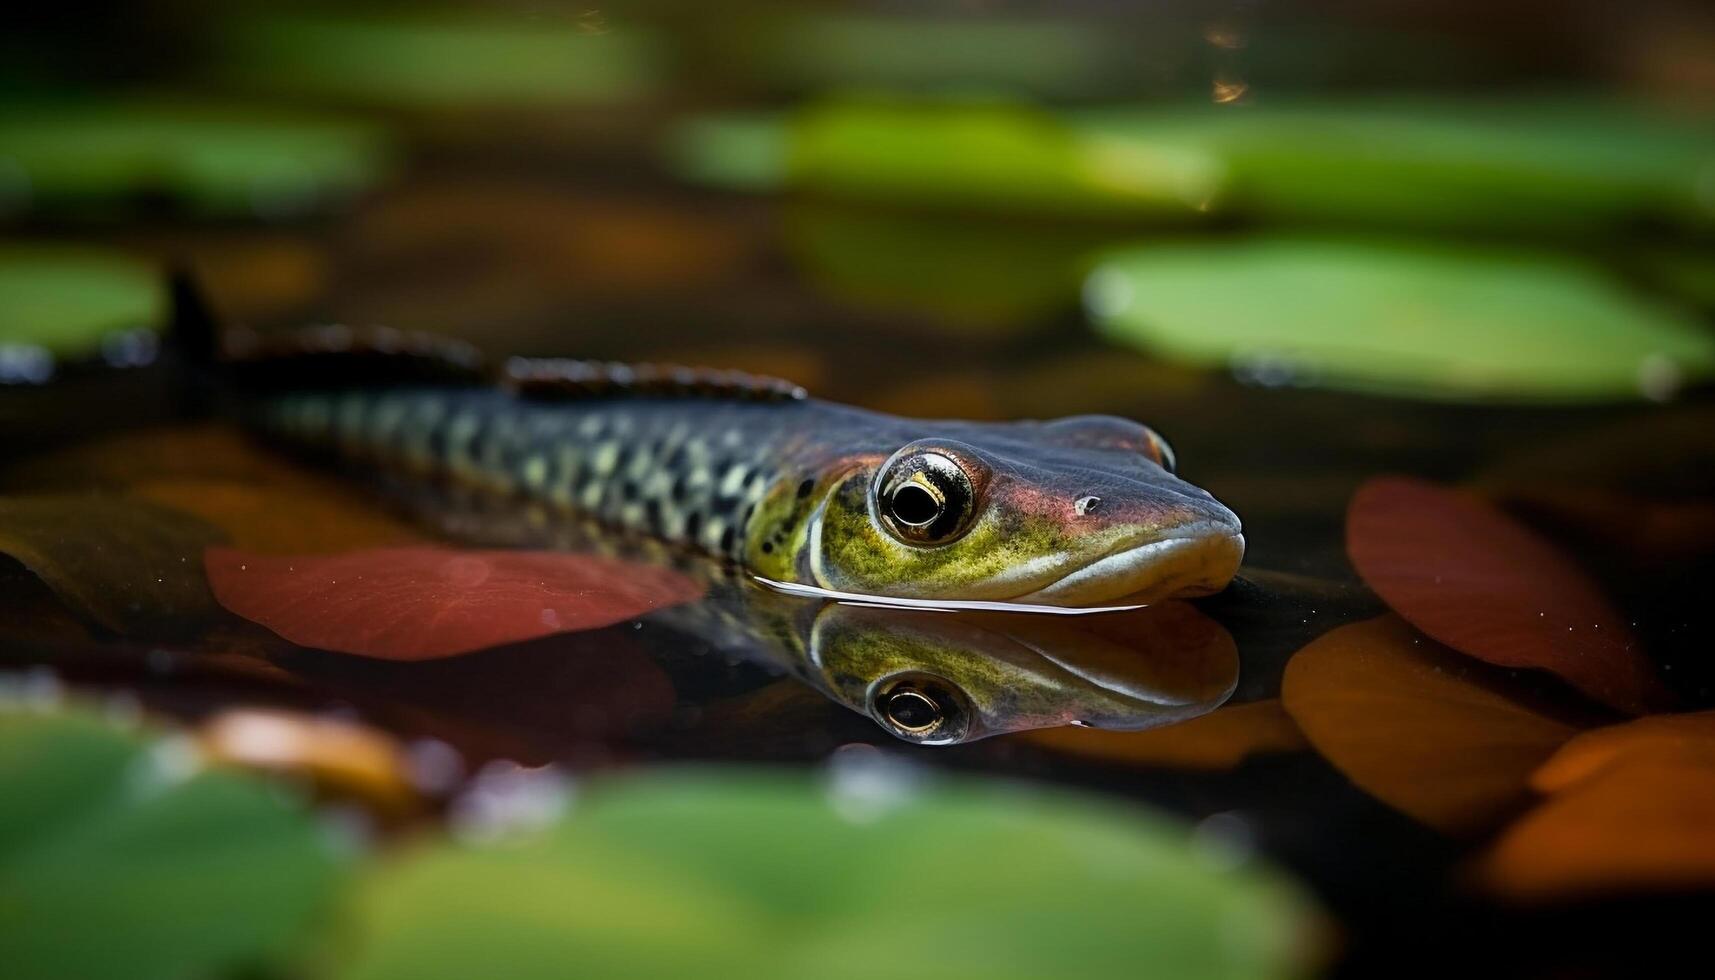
(920, 708)
(913, 711)
(925, 498)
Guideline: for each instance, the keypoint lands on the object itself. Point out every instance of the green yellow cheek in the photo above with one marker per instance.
(858, 556)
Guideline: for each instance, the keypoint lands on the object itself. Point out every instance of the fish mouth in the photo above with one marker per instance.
(1199, 559)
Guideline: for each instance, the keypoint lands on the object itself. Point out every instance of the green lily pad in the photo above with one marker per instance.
(1520, 165)
(210, 160)
(66, 301)
(1033, 56)
(742, 873)
(119, 859)
(1420, 320)
(129, 566)
(960, 155)
(443, 59)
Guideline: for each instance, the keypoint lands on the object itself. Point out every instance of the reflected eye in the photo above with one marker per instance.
(912, 711)
(921, 708)
(925, 498)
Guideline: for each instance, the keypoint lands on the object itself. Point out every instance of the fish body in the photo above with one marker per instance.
(1074, 511)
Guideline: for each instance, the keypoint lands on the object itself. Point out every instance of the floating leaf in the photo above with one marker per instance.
(1422, 320)
(1522, 165)
(64, 302)
(1219, 740)
(962, 155)
(421, 603)
(130, 566)
(1515, 165)
(449, 59)
(1631, 810)
(733, 872)
(1589, 754)
(1459, 569)
(219, 160)
(119, 859)
(1415, 726)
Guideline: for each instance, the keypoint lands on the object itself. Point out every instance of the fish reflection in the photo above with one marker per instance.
(939, 678)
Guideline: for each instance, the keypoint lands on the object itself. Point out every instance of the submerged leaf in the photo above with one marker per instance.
(222, 160)
(1219, 740)
(1459, 569)
(1421, 320)
(119, 859)
(421, 603)
(1415, 726)
(130, 566)
(435, 60)
(740, 873)
(299, 514)
(260, 499)
(119, 462)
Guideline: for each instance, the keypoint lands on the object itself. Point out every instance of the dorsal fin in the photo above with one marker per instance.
(337, 356)
(560, 378)
(193, 329)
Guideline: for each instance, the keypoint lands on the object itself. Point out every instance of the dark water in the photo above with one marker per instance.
(498, 234)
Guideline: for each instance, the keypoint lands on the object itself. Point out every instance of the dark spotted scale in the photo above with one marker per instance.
(689, 469)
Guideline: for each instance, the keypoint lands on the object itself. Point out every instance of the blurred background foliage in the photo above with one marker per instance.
(968, 165)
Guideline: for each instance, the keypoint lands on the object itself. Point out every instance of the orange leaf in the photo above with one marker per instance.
(1642, 822)
(1460, 570)
(1416, 726)
(419, 603)
(1691, 735)
(1218, 740)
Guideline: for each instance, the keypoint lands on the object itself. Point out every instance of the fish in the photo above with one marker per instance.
(1070, 512)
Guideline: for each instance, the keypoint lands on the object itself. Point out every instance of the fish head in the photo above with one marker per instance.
(1075, 512)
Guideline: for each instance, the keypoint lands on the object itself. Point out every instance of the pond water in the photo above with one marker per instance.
(1470, 570)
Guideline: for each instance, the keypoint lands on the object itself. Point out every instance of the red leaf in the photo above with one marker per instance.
(1459, 569)
(421, 603)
